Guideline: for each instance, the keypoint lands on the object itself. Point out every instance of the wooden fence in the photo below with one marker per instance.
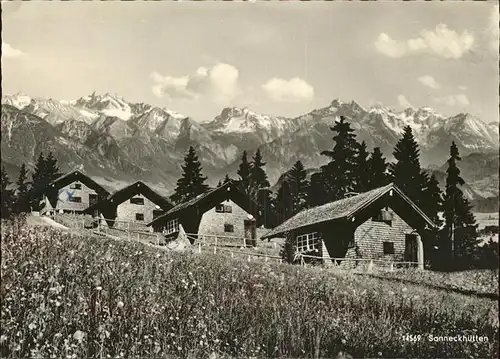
(216, 243)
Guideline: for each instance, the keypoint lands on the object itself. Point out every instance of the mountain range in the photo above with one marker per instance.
(118, 142)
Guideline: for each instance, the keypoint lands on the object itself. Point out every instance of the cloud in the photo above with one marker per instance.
(9, 51)
(218, 83)
(441, 42)
(429, 81)
(293, 90)
(403, 102)
(492, 28)
(453, 100)
(462, 88)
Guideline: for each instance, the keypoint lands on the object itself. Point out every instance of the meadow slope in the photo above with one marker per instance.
(67, 295)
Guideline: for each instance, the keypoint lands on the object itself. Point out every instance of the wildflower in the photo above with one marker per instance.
(3, 338)
(98, 288)
(120, 304)
(404, 289)
(32, 326)
(78, 335)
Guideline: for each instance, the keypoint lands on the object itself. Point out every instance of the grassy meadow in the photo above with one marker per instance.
(65, 295)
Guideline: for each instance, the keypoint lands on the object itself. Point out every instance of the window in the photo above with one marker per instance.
(75, 199)
(388, 248)
(221, 208)
(384, 216)
(137, 200)
(76, 186)
(92, 199)
(139, 216)
(307, 242)
(228, 227)
(172, 226)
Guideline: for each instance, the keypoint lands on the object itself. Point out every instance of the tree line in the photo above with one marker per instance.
(352, 169)
(27, 195)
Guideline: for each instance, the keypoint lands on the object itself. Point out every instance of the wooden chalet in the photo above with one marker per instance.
(130, 207)
(72, 192)
(222, 211)
(380, 224)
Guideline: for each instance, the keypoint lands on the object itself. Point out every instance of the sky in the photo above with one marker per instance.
(277, 58)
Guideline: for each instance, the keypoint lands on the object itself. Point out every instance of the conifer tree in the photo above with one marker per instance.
(284, 202)
(226, 179)
(244, 173)
(192, 182)
(259, 187)
(7, 194)
(219, 183)
(299, 186)
(406, 172)
(460, 224)
(316, 194)
(46, 171)
(22, 195)
(432, 200)
(339, 173)
(258, 176)
(377, 168)
(362, 174)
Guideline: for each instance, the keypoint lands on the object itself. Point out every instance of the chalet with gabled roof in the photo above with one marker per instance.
(380, 224)
(136, 204)
(72, 192)
(222, 211)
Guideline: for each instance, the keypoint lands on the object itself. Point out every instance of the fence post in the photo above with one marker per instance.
(215, 242)
(391, 268)
(244, 242)
(249, 258)
(215, 249)
(199, 247)
(370, 266)
(232, 255)
(128, 230)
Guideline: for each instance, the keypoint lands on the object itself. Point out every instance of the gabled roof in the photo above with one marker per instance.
(76, 175)
(345, 208)
(127, 192)
(210, 199)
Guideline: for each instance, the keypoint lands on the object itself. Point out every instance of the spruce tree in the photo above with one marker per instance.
(244, 173)
(22, 195)
(377, 169)
(46, 171)
(316, 194)
(219, 183)
(362, 174)
(259, 188)
(340, 172)
(406, 172)
(52, 171)
(432, 200)
(7, 194)
(460, 224)
(192, 182)
(227, 179)
(284, 202)
(299, 186)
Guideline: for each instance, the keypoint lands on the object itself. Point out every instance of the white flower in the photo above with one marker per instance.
(98, 288)
(32, 326)
(120, 304)
(78, 335)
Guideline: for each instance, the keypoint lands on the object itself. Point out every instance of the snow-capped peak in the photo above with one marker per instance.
(109, 105)
(17, 100)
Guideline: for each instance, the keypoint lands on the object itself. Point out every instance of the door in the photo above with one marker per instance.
(411, 248)
(250, 226)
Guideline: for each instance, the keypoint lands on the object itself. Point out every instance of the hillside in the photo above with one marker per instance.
(97, 290)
